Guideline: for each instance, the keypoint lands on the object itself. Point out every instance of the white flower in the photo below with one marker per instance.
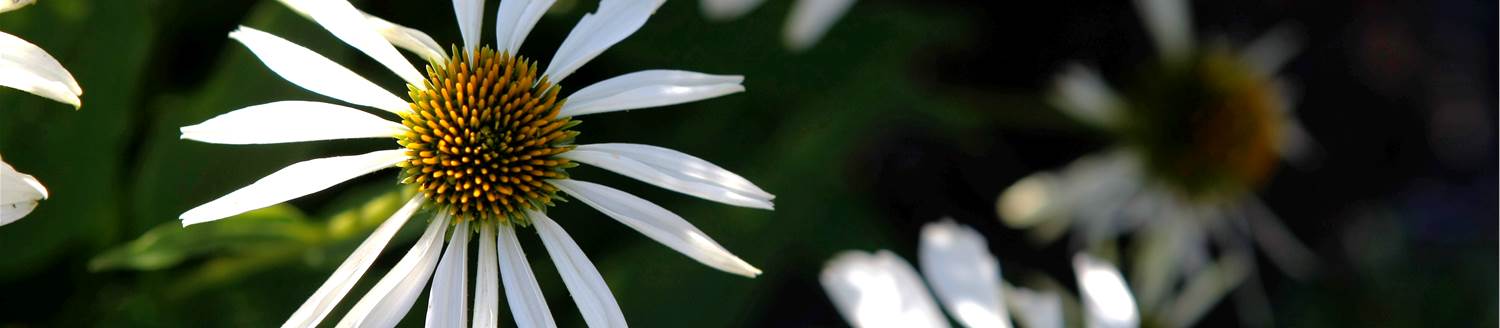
(486, 139)
(26, 67)
(882, 290)
(805, 25)
(1183, 170)
(19, 194)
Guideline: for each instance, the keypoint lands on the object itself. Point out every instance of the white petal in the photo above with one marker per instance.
(26, 67)
(1202, 291)
(386, 303)
(19, 193)
(514, 20)
(470, 14)
(521, 290)
(348, 273)
(448, 302)
(584, 283)
(614, 21)
(311, 71)
(409, 39)
(629, 167)
(657, 223)
(350, 25)
(487, 281)
(8, 5)
(645, 89)
(1170, 23)
(1272, 50)
(1035, 309)
(683, 166)
(1081, 94)
(291, 182)
(291, 121)
(727, 9)
(879, 290)
(810, 20)
(1032, 200)
(1107, 301)
(963, 274)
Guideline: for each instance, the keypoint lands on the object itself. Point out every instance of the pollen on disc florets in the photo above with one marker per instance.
(484, 136)
(1208, 124)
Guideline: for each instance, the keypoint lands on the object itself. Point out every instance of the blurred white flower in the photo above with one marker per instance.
(486, 140)
(26, 67)
(19, 194)
(805, 25)
(882, 290)
(8, 5)
(1194, 143)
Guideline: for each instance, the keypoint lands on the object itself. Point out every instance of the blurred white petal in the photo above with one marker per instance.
(487, 286)
(291, 182)
(627, 166)
(311, 71)
(879, 290)
(408, 38)
(613, 22)
(681, 165)
(470, 15)
(1170, 23)
(350, 25)
(1272, 50)
(348, 273)
(646, 89)
(587, 287)
(657, 223)
(19, 194)
(26, 67)
(513, 22)
(1207, 287)
(291, 121)
(1081, 94)
(957, 264)
(1031, 200)
(1107, 301)
(8, 5)
(811, 19)
(1035, 309)
(727, 9)
(448, 301)
(527, 305)
(386, 303)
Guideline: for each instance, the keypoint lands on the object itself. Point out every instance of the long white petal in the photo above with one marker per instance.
(291, 182)
(1268, 53)
(1106, 299)
(613, 22)
(409, 39)
(1035, 309)
(1170, 23)
(1081, 94)
(311, 71)
(26, 67)
(810, 20)
(291, 121)
(957, 264)
(487, 281)
(386, 303)
(645, 89)
(470, 14)
(8, 5)
(649, 174)
(879, 290)
(448, 301)
(587, 287)
(527, 304)
(350, 25)
(658, 224)
(727, 9)
(514, 20)
(19, 194)
(348, 273)
(681, 165)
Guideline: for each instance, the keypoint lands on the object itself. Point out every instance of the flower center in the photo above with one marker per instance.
(484, 135)
(1210, 125)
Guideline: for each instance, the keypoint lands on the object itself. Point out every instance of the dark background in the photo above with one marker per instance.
(908, 111)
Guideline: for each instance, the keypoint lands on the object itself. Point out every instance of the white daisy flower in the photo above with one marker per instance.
(26, 67)
(882, 290)
(19, 194)
(486, 138)
(805, 25)
(1209, 127)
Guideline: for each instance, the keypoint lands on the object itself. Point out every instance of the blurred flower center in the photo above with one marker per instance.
(1209, 125)
(484, 135)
